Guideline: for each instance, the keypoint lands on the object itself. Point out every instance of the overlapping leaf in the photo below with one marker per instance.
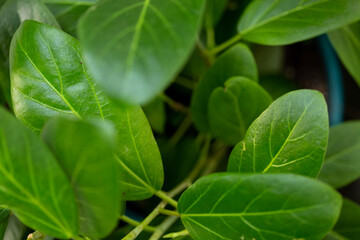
(267, 206)
(290, 136)
(136, 47)
(85, 153)
(33, 184)
(279, 22)
(49, 78)
(237, 61)
(4, 217)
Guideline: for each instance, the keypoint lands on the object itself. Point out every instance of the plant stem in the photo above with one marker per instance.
(169, 212)
(135, 223)
(162, 195)
(201, 162)
(163, 227)
(36, 236)
(180, 132)
(185, 82)
(177, 106)
(203, 52)
(177, 234)
(226, 44)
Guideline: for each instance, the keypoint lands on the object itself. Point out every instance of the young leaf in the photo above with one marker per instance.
(237, 61)
(49, 78)
(91, 168)
(342, 163)
(267, 206)
(4, 217)
(347, 227)
(279, 22)
(134, 48)
(12, 14)
(233, 109)
(290, 136)
(346, 42)
(33, 184)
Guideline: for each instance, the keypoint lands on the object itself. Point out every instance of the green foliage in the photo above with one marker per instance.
(269, 206)
(4, 217)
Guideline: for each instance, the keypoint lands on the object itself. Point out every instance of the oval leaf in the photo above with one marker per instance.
(346, 42)
(91, 168)
(237, 61)
(342, 162)
(49, 78)
(267, 206)
(279, 22)
(290, 136)
(33, 184)
(233, 109)
(152, 40)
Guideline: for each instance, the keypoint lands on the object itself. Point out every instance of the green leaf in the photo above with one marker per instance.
(4, 217)
(290, 136)
(148, 42)
(342, 165)
(49, 78)
(214, 11)
(33, 184)
(237, 61)
(155, 112)
(279, 22)
(12, 14)
(68, 12)
(267, 206)
(346, 42)
(91, 168)
(15, 229)
(233, 109)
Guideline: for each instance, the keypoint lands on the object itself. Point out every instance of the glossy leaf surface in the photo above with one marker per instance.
(49, 78)
(33, 184)
(342, 161)
(233, 109)
(152, 41)
(4, 217)
(267, 206)
(289, 137)
(12, 14)
(237, 61)
(346, 42)
(279, 22)
(85, 153)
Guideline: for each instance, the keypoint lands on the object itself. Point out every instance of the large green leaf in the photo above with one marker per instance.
(12, 14)
(290, 136)
(279, 22)
(267, 206)
(33, 184)
(233, 109)
(135, 47)
(342, 161)
(91, 168)
(4, 217)
(237, 61)
(346, 42)
(49, 78)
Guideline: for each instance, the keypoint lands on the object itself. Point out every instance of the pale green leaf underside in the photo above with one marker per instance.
(49, 78)
(4, 217)
(279, 22)
(37, 197)
(237, 61)
(127, 44)
(342, 163)
(346, 42)
(267, 206)
(289, 137)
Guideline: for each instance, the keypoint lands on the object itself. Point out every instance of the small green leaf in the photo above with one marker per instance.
(233, 109)
(346, 42)
(342, 165)
(33, 184)
(267, 206)
(49, 78)
(237, 61)
(280, 22)
(289, 137)
(12, 14)
(4, 217)
(148, 42)
(85, 153)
